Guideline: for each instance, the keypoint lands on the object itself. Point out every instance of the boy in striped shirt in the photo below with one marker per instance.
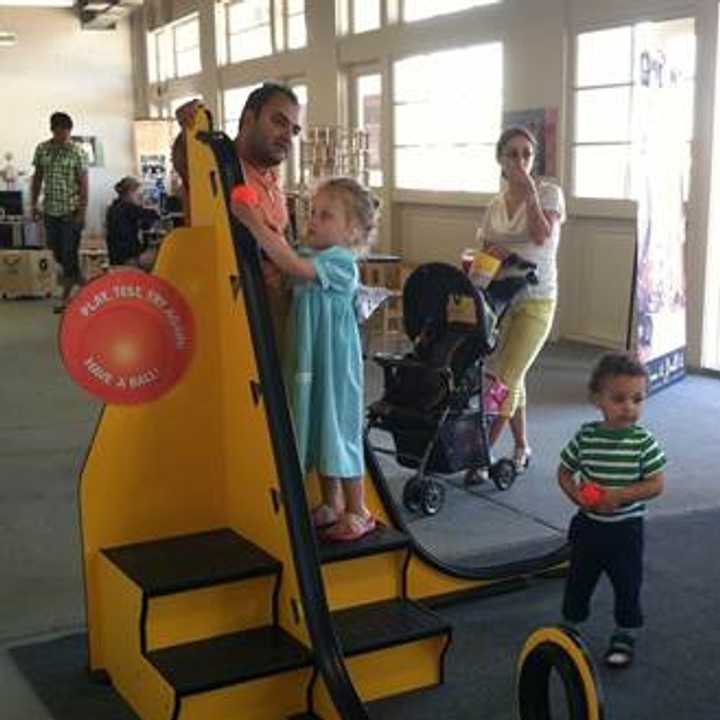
(609, 469)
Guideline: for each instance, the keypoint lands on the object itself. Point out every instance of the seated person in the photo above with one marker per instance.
(125, 217)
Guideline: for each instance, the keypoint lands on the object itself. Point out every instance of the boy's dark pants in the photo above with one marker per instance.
(615, 548)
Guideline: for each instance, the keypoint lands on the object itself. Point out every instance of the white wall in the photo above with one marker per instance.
(57, 66)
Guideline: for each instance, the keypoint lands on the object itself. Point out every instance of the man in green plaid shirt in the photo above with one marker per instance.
(61, 166)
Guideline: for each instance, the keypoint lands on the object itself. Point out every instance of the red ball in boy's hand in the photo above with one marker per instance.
(244, 195)
(592, 494)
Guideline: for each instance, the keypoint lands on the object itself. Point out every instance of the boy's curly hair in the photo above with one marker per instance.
(612, 365)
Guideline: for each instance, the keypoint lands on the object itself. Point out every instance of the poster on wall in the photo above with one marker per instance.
(659, 329)
(542, 122)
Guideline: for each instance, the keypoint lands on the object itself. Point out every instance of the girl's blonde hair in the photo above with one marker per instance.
(361, 206)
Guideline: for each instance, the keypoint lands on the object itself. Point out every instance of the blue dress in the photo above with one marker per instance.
(324, 367)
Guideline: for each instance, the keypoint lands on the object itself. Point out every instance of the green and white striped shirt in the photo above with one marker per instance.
(613, 459)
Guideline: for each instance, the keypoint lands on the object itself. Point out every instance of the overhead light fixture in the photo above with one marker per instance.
(38, 3)
(7, 39)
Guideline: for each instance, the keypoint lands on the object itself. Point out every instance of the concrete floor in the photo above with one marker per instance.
(47, 423)
(45, 426)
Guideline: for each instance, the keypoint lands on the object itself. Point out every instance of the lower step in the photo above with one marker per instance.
(229, 659)
(366, 628)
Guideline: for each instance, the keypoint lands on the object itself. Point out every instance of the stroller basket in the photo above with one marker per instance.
(456, 441)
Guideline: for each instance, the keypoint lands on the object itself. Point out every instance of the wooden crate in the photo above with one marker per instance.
(26, 273)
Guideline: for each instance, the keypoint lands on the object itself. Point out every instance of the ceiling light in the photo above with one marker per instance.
(7, 39)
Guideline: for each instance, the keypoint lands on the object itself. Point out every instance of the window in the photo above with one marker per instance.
(247, 29)
(445, 131)
(187, 48)
(295, 24)
(293, 171)
(174, 50)
(365, 15)
(644, 66)
(233, 104)
(368, 106)
(422, 9)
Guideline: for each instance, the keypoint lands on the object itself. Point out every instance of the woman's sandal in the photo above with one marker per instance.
(350, 527)
(324, 516)
(621, 651)
(521, 458)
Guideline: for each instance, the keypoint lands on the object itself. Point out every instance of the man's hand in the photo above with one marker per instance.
(79, 217)
(185, 114)
(35, 213)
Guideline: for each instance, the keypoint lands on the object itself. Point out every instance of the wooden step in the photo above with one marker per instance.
(364, 571)
(189, 562)
(229, 659)
(382, 539)
(366, 628)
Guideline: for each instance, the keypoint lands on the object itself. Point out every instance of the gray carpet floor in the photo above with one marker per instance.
(47, 424)
(675, 675)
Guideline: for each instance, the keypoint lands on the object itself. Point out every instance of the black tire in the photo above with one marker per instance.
(411, 495)
(432, 497)
(503, 473)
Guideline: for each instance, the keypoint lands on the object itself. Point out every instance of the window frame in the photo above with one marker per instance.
(354, 76)
(439, 195)
(613, 206)
(481, 4)
(154, 53)
(278, 28)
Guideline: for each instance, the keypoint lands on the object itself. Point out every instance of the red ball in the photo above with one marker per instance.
(244, 195)
(592, 494)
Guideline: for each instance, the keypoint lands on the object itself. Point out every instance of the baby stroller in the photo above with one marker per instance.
(432, 403)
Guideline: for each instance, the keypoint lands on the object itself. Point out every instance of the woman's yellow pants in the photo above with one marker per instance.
(524, 331)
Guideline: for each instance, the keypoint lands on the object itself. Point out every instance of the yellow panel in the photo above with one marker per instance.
(200, 614)
(270, 698)
(424, 581)
(133, 677)
(389, 672)
(363, 580)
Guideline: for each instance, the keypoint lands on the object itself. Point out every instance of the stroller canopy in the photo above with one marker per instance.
(438, 295)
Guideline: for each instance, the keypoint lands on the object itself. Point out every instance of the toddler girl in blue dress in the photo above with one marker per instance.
(323, 364)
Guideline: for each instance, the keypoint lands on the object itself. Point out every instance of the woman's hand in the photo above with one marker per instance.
(520, 179)
(496, 251)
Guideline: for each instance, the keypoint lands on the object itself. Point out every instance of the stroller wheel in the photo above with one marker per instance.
(503, 473)
(433, 497)
(411, 493)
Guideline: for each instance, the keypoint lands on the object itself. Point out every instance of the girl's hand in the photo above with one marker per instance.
(248, 215)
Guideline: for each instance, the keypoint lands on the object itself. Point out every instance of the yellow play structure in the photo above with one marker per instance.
(207, 595)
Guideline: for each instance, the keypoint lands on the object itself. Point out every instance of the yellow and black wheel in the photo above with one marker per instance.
(560, 649)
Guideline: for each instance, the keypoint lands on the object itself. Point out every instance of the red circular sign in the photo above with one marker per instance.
(127, 337)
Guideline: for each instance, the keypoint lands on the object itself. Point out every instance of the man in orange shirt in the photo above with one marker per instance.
(267, 126)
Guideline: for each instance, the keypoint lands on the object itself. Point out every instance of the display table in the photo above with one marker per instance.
(378, 270)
